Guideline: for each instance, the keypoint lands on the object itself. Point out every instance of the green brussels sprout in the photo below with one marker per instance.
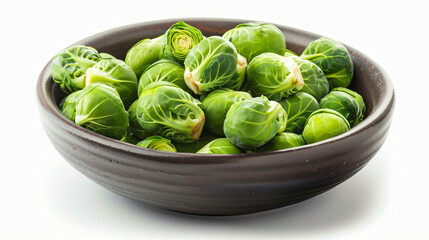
(315, 82)
(324, 124)
(69, 67)
(166, 110)
(238, 79)
(273, 76)
(333, 58)
(254, 38)
(253, 122)
(101, 110)
(289, 53)
(193, 147)
(356, 96)
(220, 146)
(135, 127)
(216, 104)
(117, 74)
(178, 41)
(163, 70)
(298, 108)
(143, 54)
(344, 104)
(210, 65)
(68, 105)
(157, 143)
(106, 56)
(281, 141)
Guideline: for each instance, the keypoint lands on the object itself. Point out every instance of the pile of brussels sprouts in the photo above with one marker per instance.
(185, 92)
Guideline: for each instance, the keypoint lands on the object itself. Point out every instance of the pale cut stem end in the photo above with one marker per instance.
(190, 82)
(298, 77)
(198, 129)
(241, 61)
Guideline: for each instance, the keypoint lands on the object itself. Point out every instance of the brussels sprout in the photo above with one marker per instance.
(333, 58)
(165, 109)
(210, 64)
(68, 105)
(281, 141)
(101, 110)
(298, 108)
(315, 82)
(220, 146)
(323, 124)
(193, 147)
(143, 54)
(273, 76)
(254, 38)
(117, 74)
(178, 40)
(135, 127)
(163, 70)
(106, 56)
(253, 122)
(356, 96)
(157, 143)
(344, 104)
(69, 67)
(289, 53)
(216, 104)
(239, 77)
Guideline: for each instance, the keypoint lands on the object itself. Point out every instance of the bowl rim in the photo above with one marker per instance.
(46, 101)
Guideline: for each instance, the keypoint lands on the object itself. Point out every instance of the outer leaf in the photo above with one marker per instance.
(315, 82)
(166, 110)
(239, 78)
(216, 105)
(253, 122)
(344, 104)
(117, 74)
(135, 127)
(69, 67)
(281, 141)
(157, 143)
(163, 70)
(210, 65)
(106, 56)
(220, 146)
(68, 105)
(324, 124)
(357, 97)
(143, 54)
(289, 53)
(100, 109)
(298, 108)
(254, 38)
(333, 58)
(274, 76)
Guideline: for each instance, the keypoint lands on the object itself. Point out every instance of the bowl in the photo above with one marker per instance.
(218, 184)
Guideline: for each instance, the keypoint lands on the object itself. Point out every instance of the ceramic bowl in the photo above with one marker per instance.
(219, 184)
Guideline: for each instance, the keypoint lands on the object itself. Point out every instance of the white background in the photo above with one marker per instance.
(45, 198)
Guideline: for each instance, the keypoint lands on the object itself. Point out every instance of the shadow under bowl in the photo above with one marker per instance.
(218, 184)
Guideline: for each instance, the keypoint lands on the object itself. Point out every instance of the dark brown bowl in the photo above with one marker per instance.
(218, 184)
